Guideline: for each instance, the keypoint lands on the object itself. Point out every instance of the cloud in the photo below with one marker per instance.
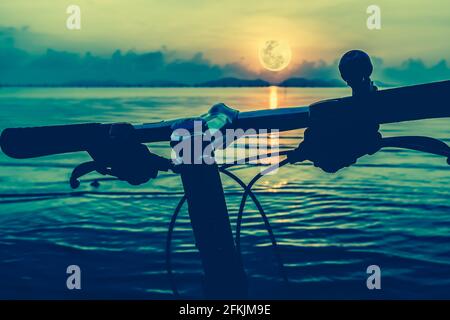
(415, 70)
(317, 70)
(11, 58)
(53, 67)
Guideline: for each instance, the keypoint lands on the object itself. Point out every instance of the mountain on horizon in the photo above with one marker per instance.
(234, 82)
(311, 83)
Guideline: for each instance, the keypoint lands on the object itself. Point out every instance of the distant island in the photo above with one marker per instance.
(219, 83)
(311, 83)
(291, 82)
(233, 82)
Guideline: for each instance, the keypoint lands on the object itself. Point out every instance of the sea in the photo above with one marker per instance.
(390, 210)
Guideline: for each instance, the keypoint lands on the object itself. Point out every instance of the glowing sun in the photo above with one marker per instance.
(275, 55)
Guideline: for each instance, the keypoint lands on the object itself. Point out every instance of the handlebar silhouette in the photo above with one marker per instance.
(416, 102)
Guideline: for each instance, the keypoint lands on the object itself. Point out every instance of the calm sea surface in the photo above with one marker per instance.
(391, 209)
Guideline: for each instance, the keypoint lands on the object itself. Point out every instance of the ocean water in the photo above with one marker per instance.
(392, 209)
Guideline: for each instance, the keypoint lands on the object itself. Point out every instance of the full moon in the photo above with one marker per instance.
(275, 55)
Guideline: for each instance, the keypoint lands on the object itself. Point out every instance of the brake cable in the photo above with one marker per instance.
(247, 192)
(418, 143)
(266, 223)
(168, 246)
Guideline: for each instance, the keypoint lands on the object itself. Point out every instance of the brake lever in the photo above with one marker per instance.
(418, 143)
(156, 163)
(120, 155)
(84, 169)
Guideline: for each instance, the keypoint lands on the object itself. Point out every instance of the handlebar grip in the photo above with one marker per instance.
(22, 143)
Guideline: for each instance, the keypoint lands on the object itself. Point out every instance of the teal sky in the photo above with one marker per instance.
(230, 32)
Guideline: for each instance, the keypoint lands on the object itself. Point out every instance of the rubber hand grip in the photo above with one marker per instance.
(22, 143)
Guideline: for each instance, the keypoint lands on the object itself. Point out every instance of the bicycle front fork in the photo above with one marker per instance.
(224, 275)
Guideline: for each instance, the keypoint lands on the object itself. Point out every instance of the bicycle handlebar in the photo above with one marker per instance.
(386, 106)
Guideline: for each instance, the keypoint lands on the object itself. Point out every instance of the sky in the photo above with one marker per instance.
(201, 40)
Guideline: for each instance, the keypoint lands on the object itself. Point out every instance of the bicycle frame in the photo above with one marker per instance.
(224, 275)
